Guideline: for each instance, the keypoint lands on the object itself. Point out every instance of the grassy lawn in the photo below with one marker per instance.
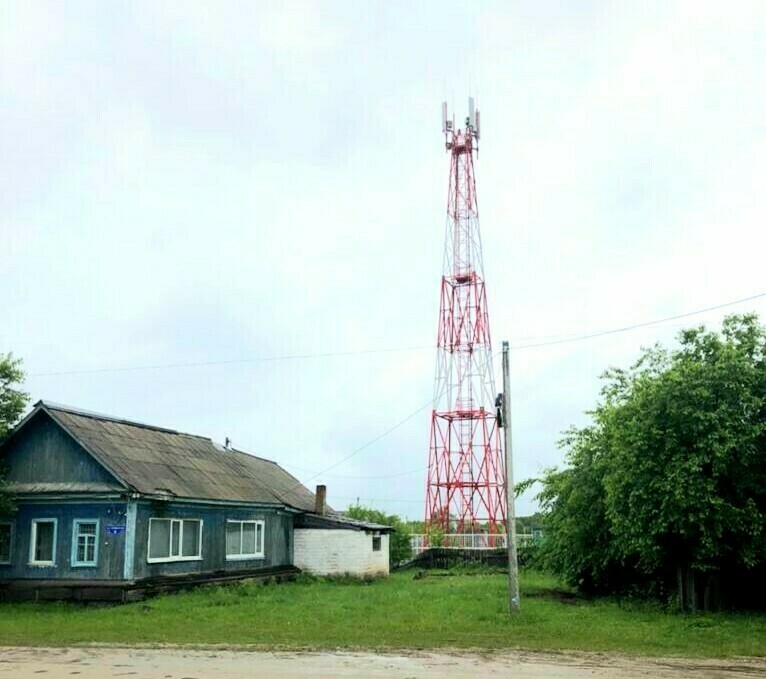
(462, 611)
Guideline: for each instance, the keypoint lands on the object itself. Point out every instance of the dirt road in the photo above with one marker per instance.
(104, 663)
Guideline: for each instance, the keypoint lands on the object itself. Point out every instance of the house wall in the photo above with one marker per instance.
(278, 542)
(337, 552)
(111, 548)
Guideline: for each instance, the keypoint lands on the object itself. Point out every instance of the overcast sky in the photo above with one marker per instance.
(207, 182)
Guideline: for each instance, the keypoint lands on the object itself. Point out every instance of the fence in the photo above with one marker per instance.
(420, 543)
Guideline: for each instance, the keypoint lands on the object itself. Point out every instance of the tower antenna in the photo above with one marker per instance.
(465, 490)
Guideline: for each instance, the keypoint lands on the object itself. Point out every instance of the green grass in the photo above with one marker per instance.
(459, 611)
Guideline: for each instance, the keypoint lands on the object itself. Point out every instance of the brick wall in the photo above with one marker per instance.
(336, 552)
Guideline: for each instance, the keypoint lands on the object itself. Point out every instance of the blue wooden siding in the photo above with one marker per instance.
(111, 548)
(278, 543)
(45, 453)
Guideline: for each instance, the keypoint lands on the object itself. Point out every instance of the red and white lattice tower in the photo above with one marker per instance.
(466, 469)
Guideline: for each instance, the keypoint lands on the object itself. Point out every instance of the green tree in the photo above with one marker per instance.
(528, 524)
(399, 541)
(578, 540)
(668, 482)
(12, 403)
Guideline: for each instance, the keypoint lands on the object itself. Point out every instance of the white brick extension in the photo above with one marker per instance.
(323, 551)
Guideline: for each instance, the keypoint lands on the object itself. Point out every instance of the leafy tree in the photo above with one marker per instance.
(529, 524)
(578, 541)
(668, 482)
(399, 541)
(12, 404)
(416, 527)
(528, 552)
(435, 534)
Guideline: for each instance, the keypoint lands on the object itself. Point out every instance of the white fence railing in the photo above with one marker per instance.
(421, 542)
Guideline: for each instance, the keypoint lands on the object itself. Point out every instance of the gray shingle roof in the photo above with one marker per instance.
(156, 461)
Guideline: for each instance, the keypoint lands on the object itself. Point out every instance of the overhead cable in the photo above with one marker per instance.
(564, 339)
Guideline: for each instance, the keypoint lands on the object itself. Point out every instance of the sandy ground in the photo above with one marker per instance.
(103, 663)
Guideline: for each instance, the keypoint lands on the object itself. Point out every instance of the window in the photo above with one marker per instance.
(6, 542)
(175, 540)
(42, 546)
(244, 540)
(376, 543)
(84, 542)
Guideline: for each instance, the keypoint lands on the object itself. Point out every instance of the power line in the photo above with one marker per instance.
(582, 337)
(613, 331)
(375, 499)
(345, 476)
(529, 346)
(565, 338)
(197, 364)
(375, 440)
(366, 445)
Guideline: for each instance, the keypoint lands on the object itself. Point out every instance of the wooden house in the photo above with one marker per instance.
(112, 509)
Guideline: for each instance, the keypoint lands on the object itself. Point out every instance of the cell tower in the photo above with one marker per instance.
(466, 470)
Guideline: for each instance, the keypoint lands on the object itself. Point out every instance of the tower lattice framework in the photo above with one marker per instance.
(466, 471)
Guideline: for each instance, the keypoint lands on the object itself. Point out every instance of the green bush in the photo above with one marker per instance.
(528, 553)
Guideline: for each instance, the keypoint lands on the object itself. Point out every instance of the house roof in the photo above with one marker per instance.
(338, 521)
(158, 461)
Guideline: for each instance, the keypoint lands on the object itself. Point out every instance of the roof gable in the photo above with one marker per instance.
(41, 456)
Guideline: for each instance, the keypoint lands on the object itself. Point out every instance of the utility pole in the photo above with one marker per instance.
(514, 600)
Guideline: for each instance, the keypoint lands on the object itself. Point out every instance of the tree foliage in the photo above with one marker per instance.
(667, 484)
(399, 546)
(12, 403)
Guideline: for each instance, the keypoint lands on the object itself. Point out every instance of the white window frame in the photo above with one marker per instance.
(178, 557)
(246, 557)
(76, 523)
(33, 542)
(11, 525)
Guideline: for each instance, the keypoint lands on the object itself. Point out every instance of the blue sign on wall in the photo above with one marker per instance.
(115, 530)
